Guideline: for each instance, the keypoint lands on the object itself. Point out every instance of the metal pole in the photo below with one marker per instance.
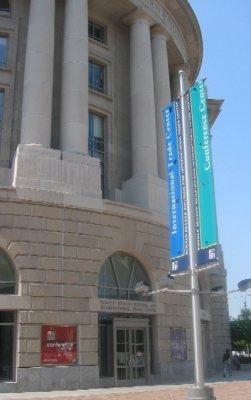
(204, 393)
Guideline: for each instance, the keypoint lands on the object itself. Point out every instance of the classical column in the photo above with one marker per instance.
(38, 76)
(143, 125)
(74, 95)
(161, 90)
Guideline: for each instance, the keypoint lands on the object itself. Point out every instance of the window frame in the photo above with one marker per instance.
(5, 62)
(5, 10)
(92, 35)
(102, 163)
(91, 84)
(119, 288)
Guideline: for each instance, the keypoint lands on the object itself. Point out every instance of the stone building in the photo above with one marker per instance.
(83, 196)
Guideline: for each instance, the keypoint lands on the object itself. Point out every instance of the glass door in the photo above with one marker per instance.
(131, 355)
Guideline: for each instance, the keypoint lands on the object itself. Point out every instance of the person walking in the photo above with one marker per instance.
(227, 363)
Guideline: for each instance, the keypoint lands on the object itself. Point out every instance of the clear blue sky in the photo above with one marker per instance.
(225, 27)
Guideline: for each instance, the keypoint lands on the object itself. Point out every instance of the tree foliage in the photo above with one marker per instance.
(240, 329)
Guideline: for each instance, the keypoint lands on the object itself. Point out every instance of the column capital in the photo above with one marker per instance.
(159, 31)
(138, 16)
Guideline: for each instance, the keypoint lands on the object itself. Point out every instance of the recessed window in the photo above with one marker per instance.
(96, 141)
(96, 77)
(96, 31)
(4, 5)
(1, 123)
(3, 51)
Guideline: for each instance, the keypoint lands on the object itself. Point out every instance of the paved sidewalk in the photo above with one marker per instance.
(236, 387)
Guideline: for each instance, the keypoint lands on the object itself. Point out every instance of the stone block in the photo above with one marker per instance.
(69, 226)
(72, 252)
(76, 291)
(28, 379)
(70, 277)
(29, 331)
(53, 250)
(54, 225)
(53, 303)
(83, 253)
(33, 346)
(38, 249)
(50, 263)
(83, 305)
(38, 210)
(91, 266)
(29, 360)
(31, 275)
(69, 305)
(45, 290)
(87, 279)
(59, 378)
(69, 264)
(37, 303)
(88, 358)
(76, 318)
(53, 276)
(89, 377)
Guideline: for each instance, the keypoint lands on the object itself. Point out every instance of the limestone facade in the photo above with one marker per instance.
(63, 213)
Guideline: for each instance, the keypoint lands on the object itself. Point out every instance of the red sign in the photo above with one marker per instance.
(59, 345)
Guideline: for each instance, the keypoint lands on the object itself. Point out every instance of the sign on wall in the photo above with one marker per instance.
(178, 344)
(59, 345)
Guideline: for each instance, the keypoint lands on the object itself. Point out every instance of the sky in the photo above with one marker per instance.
(225, 27)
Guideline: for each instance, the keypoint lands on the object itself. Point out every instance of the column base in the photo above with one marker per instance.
(39, 168)
(146, 191)
(195, 393)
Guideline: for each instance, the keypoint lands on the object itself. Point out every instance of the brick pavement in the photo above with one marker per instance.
(230, 390)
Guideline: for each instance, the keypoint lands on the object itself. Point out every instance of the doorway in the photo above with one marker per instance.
(131, 352)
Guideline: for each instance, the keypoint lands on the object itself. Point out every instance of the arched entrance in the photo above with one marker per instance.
(124, 338)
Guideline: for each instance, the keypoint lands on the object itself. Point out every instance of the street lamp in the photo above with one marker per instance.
(244, 285)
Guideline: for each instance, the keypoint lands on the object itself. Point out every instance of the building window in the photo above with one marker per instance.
(3, 51)
(7, 318)
(96, 141)
(96, 31)
(4, 5)
(96, 77)
(7, 329)
(118, 277)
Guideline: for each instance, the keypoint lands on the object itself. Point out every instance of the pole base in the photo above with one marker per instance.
(205, 393)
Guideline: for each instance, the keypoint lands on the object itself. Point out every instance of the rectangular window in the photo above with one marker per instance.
(96, 141)
(4, 5)
(96, 77)
(3, 51)
(1, 114)
(96, 31)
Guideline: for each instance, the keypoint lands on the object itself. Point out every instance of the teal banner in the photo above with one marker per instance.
(205, 208)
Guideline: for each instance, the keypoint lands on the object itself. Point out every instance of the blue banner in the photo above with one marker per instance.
(203, 184)
(176, 188)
